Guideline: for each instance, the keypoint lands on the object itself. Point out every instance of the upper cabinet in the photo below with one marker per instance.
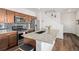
(9, 16)
(28, 18)
(6, 16)
(19, 14)
(25, 17)
(2, 15)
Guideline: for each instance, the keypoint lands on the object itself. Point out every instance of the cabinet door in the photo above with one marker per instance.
(30, 42)
(26, 18)
(3, 42)
(30, 18)
(2, 15)
(19, 14)
(9, 17)
(12, 39)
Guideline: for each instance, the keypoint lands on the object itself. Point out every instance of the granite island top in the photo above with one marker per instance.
(45, 37)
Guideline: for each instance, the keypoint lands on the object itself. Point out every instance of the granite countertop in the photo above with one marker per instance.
(45, 37)
(5, 31)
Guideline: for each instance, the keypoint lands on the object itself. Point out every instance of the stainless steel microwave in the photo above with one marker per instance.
(18, 19)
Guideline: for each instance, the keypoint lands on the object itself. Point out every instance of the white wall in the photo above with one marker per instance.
(65, 20)
(46, 20)
(22, 10)
(77, 25)
(68, 19)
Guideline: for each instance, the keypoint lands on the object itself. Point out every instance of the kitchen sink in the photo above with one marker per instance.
(40, 32)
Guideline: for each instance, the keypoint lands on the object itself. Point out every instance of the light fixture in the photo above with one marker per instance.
(51, 12)
(77, 21)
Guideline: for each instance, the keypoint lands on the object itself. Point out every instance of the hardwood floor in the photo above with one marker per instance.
(13, 48)
(69, 43)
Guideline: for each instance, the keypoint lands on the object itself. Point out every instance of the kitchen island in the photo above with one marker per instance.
(44, 41)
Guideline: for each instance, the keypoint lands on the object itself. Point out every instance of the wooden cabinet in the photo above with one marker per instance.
(2, 15)
(29, 18)
(9, 16)
(23, 16)
(19, 14)
(12, 39)
(26, 18)
(6, 16)
(30, 42)
(3, 42)
(8, 40)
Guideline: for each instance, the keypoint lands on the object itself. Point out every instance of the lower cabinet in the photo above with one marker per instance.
(12, 41)
(8, 40)
(3, 42)
(30, 42)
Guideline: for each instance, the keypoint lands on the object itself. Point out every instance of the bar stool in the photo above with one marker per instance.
(26, 47)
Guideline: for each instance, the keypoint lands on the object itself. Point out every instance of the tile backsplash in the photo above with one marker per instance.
(25, 26)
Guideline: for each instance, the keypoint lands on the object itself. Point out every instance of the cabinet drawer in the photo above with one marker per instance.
(3, 43)
(12, 40)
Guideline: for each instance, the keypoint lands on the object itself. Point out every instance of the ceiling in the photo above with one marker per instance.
(55, 9)
(33, 9)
